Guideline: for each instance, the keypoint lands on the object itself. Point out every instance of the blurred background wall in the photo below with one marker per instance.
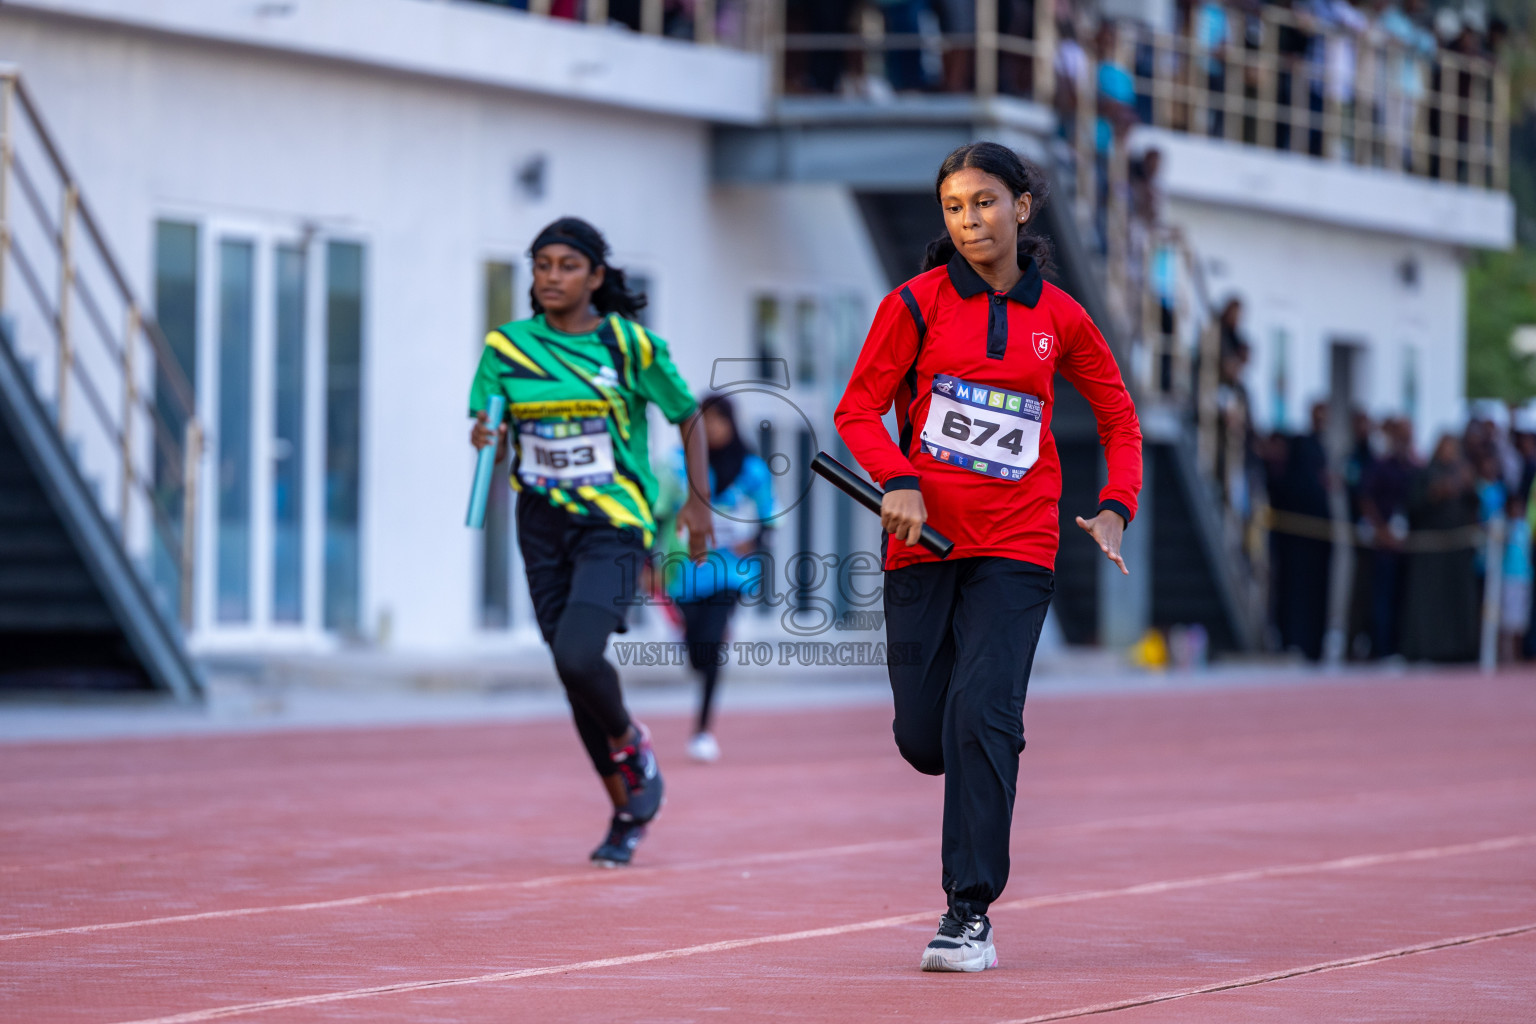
(323, 204)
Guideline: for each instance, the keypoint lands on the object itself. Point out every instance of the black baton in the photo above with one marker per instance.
(865, 493)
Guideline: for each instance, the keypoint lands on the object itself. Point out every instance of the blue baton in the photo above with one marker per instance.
(485, 465)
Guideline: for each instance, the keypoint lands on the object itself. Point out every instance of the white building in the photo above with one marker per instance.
(327, 201)
(356, 181)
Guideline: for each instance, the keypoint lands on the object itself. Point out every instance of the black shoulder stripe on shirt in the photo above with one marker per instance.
(516, 370)
(917, 314)
(910, 378)
(608, 335)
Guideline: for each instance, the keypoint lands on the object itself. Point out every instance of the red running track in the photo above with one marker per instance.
(1348, 851)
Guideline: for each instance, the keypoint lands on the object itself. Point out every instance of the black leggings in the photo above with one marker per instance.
(581, 577)
(591, 682)
(704, 624)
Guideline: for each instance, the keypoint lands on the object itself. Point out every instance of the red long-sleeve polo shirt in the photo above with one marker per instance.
(984, 363)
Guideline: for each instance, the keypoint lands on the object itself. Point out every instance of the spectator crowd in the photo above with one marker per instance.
(1291, 59)
(1317, 39)
(1422, 567)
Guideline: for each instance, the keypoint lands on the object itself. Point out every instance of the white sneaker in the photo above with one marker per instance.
(961, 945)
(703, 748)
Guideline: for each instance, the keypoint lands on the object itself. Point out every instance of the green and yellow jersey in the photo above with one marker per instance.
(577, 407)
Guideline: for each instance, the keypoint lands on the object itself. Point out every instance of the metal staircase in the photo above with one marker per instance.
(99, 442)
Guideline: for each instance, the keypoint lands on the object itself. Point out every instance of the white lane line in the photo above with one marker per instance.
(222, 1012)
(593, 876)
(162, 857)
(589, 875)
(1291, 972)
(1279, 871)
(1339, 864)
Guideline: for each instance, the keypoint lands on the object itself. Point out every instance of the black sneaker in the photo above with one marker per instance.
(643, 784)
(963, 944)
(619, 848)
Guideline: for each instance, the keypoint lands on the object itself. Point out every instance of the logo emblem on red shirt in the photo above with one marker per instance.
(1042, 344)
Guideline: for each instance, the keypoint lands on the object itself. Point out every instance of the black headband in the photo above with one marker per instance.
(553, 237)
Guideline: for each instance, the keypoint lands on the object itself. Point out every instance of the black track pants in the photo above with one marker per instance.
(971, 625)
(704, 625)
(582, 578)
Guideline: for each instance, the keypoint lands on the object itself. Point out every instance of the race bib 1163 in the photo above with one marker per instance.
(565, 453)
(984, 429)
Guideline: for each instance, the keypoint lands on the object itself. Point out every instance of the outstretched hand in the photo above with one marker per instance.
(1106, 529)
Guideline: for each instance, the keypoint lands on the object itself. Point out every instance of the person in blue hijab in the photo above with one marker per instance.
(706, 593)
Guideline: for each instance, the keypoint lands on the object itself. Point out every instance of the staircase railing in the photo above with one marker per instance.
(72, 309)
(1176, 369)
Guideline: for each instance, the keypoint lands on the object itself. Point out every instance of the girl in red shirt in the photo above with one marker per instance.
(967, 353)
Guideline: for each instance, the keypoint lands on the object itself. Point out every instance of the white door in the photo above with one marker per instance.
(261, 387)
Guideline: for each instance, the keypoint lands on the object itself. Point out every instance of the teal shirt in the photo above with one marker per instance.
(741, 512)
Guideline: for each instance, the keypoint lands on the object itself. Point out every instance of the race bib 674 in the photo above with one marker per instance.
(984, 429)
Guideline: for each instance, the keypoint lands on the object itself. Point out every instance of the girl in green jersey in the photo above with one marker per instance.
(578, 378)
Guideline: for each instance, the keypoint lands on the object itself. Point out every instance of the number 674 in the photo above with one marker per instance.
(959, 426)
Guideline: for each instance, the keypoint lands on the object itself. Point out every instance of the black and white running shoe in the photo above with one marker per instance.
(643, 785)
(618, 848)
(963, 944)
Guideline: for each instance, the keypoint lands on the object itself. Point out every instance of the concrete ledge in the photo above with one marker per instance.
(1003, 112)
(861, 144)
(1295, 185)
(466, 42)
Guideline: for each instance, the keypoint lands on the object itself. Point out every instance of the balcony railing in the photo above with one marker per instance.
(1368, 99)
(1270, 78)
(118, 393)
